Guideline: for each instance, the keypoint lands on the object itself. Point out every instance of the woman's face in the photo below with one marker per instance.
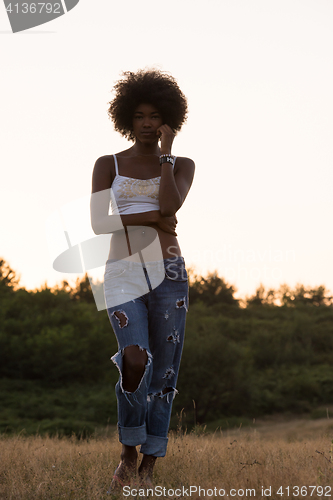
(146, 121)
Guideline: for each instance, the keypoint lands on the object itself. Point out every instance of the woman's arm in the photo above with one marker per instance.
(101, 221)
(175, 184)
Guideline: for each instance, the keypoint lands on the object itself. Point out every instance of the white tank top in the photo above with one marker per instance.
(133, 196)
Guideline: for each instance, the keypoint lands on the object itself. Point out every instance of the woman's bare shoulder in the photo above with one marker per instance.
(104, 163)
(184, 163)
(104, 173)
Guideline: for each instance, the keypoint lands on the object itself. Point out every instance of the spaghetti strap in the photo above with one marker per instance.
(116, 164)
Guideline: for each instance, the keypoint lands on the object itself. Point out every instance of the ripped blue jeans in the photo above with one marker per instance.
(154, 321)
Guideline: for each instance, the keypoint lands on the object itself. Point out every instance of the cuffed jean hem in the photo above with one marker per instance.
(154, 445)
(132, 436)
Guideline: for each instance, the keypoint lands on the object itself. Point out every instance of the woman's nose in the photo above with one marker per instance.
(146, 122)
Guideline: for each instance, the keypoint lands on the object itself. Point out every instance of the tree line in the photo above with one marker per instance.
(245, 358)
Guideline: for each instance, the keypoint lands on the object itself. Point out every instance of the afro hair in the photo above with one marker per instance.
(147, 87)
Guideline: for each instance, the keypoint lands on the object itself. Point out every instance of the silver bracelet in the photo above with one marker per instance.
(166, 159)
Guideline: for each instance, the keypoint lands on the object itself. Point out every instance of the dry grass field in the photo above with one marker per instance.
(272, 459)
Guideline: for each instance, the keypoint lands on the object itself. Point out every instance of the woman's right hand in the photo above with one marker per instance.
(168, 224)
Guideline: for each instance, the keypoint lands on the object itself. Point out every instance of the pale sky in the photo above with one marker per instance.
(258, 75)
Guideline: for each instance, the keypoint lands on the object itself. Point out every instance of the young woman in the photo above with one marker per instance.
(145, 282)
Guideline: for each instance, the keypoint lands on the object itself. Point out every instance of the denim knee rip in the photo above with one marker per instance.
(118, 361)
(165, 392)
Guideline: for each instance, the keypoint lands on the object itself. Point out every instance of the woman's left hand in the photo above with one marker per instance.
(167, 136)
